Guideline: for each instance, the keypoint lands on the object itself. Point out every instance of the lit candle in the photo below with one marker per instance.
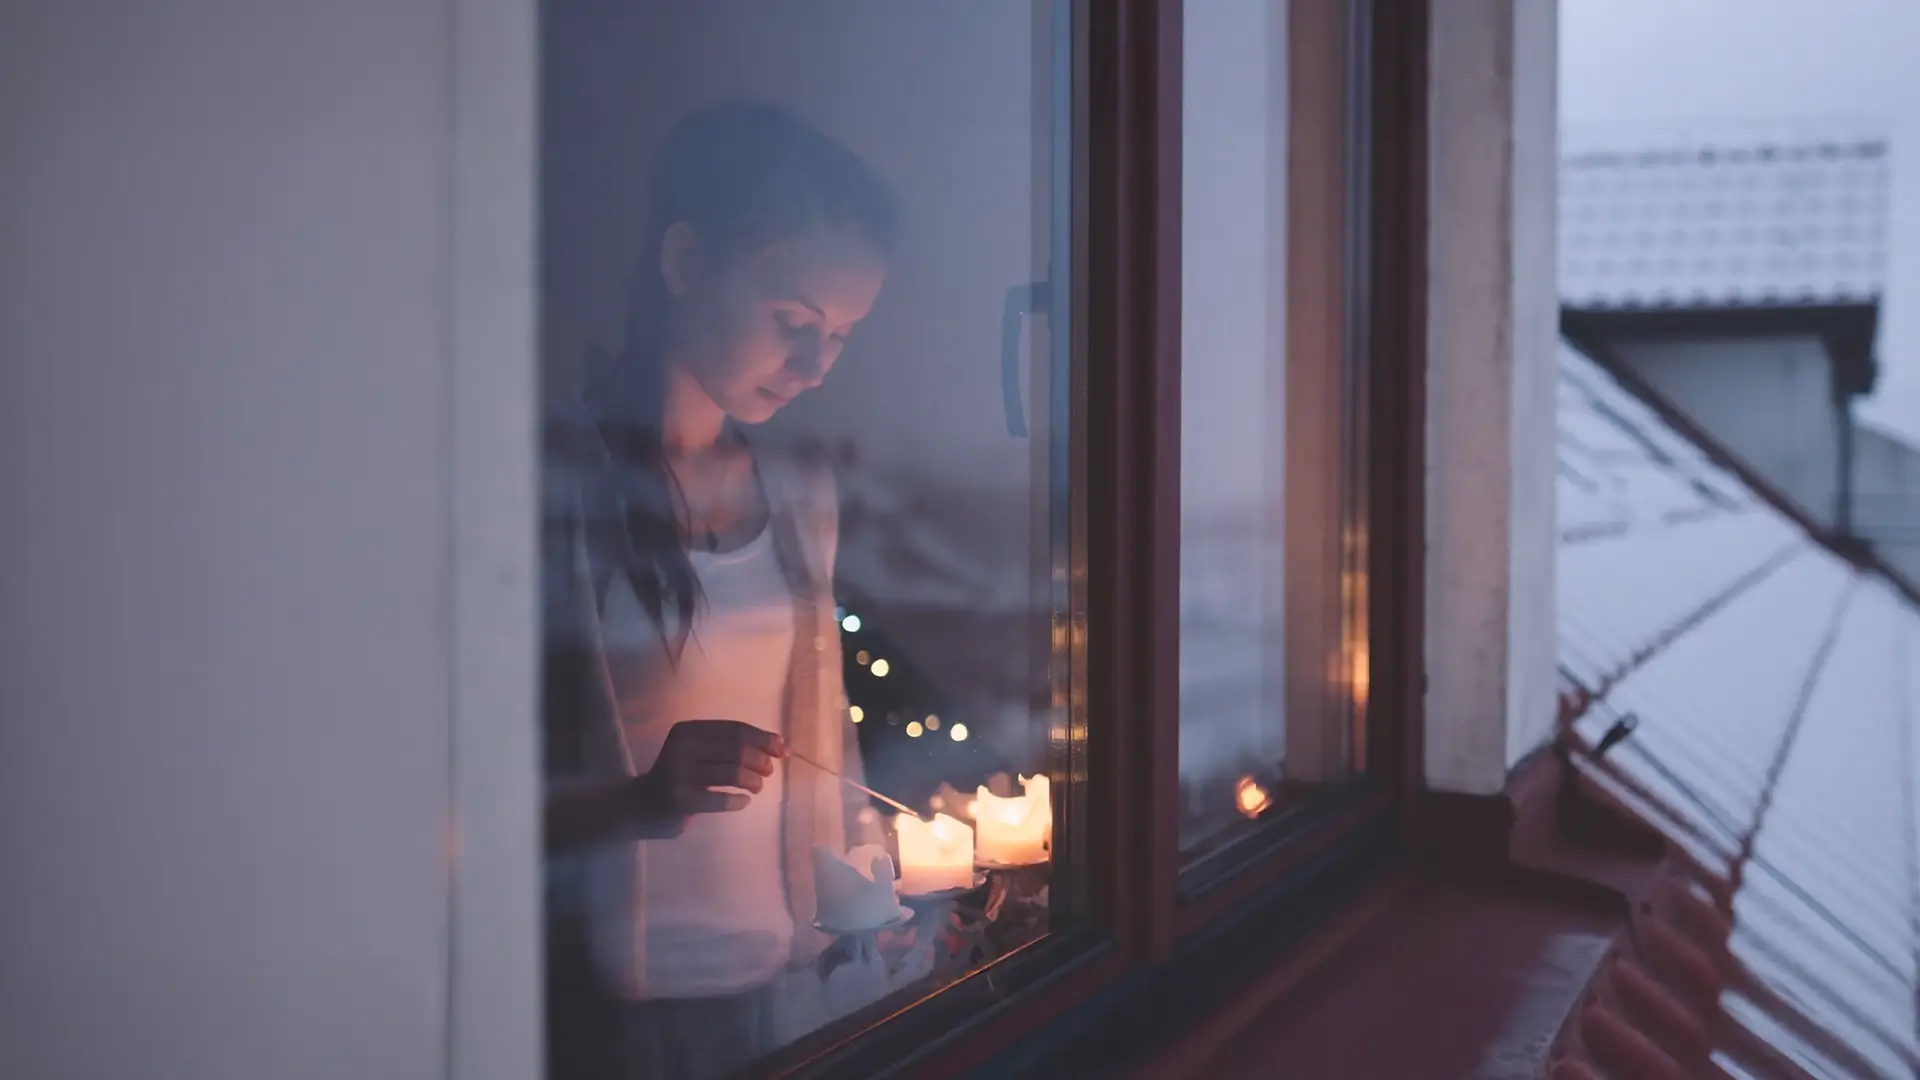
(934, 856)
(1014, 831)
(1250, 797)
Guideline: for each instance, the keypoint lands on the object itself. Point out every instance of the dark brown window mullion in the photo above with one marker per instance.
(1133, 429)
(1398, 359)
(1326, 451)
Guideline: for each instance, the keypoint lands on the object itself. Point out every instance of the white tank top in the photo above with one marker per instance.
(714, 904)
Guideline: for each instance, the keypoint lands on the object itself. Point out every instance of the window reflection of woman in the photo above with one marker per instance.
(690, 636)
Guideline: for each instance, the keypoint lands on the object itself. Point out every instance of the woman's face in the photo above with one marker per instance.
(765, 328)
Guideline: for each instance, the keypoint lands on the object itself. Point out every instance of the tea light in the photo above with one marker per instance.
(934, 856)
(1014, 831)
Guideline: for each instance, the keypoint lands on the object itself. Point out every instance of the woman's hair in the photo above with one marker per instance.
(743, 175)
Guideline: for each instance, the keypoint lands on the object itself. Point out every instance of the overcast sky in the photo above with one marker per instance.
(1795, 66)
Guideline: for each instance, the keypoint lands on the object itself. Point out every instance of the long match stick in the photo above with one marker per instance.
(900, 806)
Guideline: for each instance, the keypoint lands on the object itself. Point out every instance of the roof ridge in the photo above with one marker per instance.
(1834, 148)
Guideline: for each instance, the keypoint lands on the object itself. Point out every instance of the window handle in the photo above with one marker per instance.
(1022, 301)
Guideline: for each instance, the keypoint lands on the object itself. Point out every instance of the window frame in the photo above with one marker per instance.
(1355, 370)
(1124, 632)
(1326, 403)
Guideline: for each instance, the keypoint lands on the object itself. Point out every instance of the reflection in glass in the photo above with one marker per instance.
(1242, 755)
(799, 572)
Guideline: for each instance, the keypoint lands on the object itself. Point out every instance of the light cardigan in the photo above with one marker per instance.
(584, 497)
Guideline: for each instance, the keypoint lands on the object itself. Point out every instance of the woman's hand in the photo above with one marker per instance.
(700, 756)
(697, 757)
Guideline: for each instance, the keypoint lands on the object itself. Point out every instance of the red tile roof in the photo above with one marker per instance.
(1757, 692)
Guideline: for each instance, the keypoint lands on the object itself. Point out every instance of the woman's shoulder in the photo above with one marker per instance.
(804, 486)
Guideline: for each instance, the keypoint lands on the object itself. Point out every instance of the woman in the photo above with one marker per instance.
(690, 636)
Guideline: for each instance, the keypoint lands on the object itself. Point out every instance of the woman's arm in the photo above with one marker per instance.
(698, 757)
(582, 813)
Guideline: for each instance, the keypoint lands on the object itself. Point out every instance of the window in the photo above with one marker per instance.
(806, 282)
(883, 684)
(1274, 664)
(1233, 729)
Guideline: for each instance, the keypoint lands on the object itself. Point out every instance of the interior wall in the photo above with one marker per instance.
(1769, 401)
(223, 457)
(939, 533)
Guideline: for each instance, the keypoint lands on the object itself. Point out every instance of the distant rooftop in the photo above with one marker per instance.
(1724, 225)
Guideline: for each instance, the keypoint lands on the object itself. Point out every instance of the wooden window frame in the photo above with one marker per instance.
(1355, 67)
(1327, 401)
(1356, 168)
(1355, 372)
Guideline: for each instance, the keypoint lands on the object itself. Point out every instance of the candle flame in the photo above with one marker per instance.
(1250, 797)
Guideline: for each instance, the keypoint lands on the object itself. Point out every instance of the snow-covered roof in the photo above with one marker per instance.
(1772, 687)
(1724, 226)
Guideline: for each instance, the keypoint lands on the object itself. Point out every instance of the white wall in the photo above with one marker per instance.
(1768, 401)
(226, 428)
(1492, 346)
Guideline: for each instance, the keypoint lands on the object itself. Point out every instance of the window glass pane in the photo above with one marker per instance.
(806, 494)
(1249, 747)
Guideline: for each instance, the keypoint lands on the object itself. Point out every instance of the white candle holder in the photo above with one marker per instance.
(900, 921)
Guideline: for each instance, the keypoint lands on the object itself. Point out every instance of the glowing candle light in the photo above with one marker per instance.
(934, 855)
(1014, 831)
(1250, 797)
